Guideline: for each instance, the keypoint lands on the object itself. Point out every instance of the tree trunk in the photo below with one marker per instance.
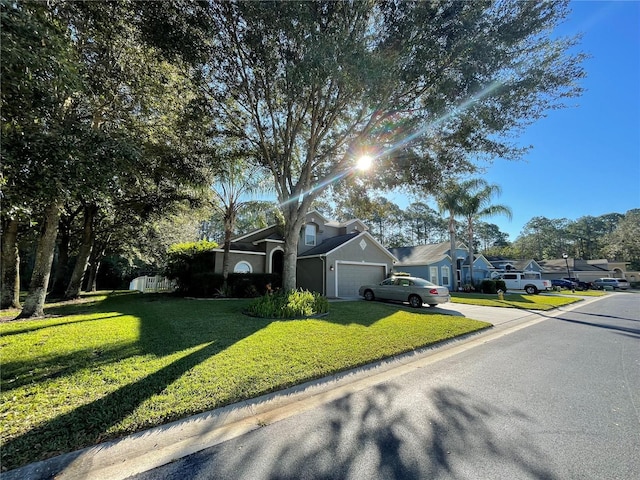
(75, 284)
(294, 220)
(470, 234)
(10, 267)
(34, 303)
(229, 221)
(99, 248)
(60, 275)
(452, 252)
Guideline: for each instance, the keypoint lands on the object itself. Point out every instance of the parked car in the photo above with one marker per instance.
(417, 291)
(580, 284)
(530, 282)
(613, 283)
(563, 283)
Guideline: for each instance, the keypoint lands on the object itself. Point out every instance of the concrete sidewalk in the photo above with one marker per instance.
(144, 451)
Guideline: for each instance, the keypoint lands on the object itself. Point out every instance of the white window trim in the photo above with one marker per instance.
(433, 275)
(315, 234)
(243, 262)
(446, 273)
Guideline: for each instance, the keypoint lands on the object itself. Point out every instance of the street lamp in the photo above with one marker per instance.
(566, 260)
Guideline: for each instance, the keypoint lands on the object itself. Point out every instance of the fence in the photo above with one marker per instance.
(152, 284)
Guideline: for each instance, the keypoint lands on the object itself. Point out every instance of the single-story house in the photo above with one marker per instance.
(585, 270)
(501, 263)
(334, 258)
(433, 262)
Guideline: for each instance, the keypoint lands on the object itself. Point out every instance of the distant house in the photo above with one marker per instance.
(585, 270)
(334, 258)
(501, 263)
(433, 262)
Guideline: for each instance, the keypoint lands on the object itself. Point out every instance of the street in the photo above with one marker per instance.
(557, 400)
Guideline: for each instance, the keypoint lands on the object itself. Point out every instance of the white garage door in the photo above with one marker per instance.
(350, 277)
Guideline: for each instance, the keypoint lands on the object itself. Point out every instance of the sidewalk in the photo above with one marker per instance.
(144, 451)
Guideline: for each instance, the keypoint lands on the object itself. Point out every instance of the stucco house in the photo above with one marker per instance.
(334, 258)
(586, 270)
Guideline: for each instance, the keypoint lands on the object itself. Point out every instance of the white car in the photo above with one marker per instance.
(415, 290)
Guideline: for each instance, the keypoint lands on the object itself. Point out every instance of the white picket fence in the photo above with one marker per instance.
(152, 284)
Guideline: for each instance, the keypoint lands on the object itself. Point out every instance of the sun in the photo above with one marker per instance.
(364, 163)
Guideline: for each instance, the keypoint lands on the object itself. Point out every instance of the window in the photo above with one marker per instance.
(310, 235)
(242, 267)
(433, 275)
(445, 276)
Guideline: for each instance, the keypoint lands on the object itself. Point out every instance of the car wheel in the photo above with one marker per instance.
(368, 296)
(530, 289)
(415, 301)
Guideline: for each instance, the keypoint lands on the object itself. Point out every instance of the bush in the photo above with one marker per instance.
(489, 286)
(292, 304)
(501, 285)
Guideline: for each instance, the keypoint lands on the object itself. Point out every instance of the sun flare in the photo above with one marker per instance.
(364, 162)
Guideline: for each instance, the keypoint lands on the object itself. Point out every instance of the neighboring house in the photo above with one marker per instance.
(501, 263)
(433, 262)
(334, 258)
(585, 270)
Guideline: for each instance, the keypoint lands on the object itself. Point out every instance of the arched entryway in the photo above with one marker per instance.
(277, 262)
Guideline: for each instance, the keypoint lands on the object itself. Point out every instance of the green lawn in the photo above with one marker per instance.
(107, 366)
(545, 301)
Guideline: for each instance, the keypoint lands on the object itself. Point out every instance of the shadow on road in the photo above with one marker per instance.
(379, 438)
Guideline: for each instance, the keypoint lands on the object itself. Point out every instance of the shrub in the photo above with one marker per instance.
(501, 285)
(489, 286)
(291, 304)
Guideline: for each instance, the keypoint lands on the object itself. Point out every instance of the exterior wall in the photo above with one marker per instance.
(481, 270)
(323, 232)
(424, 271)
(310, 274)
(352, 252)
(257, 261)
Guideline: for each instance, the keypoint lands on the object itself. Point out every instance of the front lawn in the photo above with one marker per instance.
(107, 366)
(545, 301)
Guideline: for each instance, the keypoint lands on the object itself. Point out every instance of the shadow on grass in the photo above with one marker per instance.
(167, 325)
(50, 323)
(18, 374)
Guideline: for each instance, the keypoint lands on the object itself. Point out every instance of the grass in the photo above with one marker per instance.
(110, 365)
(544, 301)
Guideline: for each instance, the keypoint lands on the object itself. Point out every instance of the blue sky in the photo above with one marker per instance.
(586, 159)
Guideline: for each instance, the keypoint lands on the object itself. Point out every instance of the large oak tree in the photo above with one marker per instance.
(421, 86)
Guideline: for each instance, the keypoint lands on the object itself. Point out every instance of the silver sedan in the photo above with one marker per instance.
(417, 291)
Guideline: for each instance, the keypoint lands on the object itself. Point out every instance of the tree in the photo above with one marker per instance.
(236, 182)
(476, 204)
(310, 86)
(94, 110)
(543, 238)
(624, 242)
(450, 200)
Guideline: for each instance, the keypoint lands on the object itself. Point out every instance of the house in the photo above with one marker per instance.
(585, 270)
(433, 262)
(501, 263)
(334, 258)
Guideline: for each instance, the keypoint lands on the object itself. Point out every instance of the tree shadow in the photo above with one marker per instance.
(374, 435)
(166, 326)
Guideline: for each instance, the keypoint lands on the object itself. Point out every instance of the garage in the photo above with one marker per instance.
(351, 276)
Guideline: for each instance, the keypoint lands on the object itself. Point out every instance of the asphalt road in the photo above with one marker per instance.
(559, 399)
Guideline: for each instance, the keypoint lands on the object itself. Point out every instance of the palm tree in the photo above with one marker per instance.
(475, 204)
(235, 184)
(449, 201)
